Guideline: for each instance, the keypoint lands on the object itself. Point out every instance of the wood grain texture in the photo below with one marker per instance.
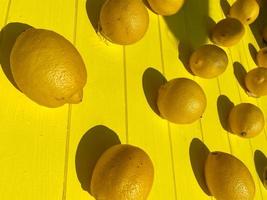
(32, 152)
(50, 153)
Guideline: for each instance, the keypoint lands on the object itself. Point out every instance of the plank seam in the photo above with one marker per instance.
(250, 143)
(125, 95)
(227, 133)
(258, 180)
(67, 145)
(7, 12)
(168, 124)
(65, 180)
(231, 59)
(257, 100)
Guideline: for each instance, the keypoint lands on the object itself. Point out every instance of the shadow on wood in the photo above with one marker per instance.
(93, 8)
(152, 80)
(184, 55)
(253, 52)
(240, 74)
(190, 27)
(91, 146)
(260, 162)
(225, 7)
(148, 6)
(258, 26)
(224, 106)
(8, 36)
(198, 155)
(210, 24)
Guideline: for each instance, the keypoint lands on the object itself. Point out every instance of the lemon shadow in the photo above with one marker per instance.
(148, 6)
(190, 26)
(198, 154)
(260, 162)
(210, 24)
(240, 74)
(152, 80)
(224, 106)
(93, 8)
(253, 52)
(8, 36)
(258, 25)
(91, 146)
(225, 7)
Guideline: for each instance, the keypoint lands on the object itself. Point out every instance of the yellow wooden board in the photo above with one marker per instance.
(50, 153)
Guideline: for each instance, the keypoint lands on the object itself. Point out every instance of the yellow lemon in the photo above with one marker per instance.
(228, 178)
(122, 172)
(166, 7)
(246, 11)
(181, 101)
(262, 57)
(227, 32)
(256, 82)
(47, 68)
(246, 120)
(123, 21)
(208, 61)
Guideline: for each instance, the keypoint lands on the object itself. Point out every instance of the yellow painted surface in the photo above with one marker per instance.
(48, 154)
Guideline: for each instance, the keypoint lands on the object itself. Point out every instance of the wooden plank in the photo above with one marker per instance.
(45, 153)
(99, 121)
(145, 128)
(258, 143)
(32, 144)
(243, 148)
(181, 34)
(4, 10)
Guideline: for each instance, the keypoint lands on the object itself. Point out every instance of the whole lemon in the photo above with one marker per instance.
(246, 120)
(167, 7)
(227, 32)
(256, 82)
(246, 11)
(181, 101)
(262, 57)
(228, 178)
(47, 68)
(122, 172)
(208, 61)
(123, 21)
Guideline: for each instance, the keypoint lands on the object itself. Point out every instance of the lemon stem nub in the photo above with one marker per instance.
(76, 97)
(243, 133)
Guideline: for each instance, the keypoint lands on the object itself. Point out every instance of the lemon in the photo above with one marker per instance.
(262, 57)
(246, 11)
(123, 21)
(122, 172)
(227, 32)
(256, 82)
(208, 61)
(47, 68)
(228, 178)
(181, 101)
(246, 120)
(166, 7)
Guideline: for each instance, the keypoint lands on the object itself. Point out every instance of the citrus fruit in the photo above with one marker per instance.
(47, 68)
(181, 101)
(122, 172)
